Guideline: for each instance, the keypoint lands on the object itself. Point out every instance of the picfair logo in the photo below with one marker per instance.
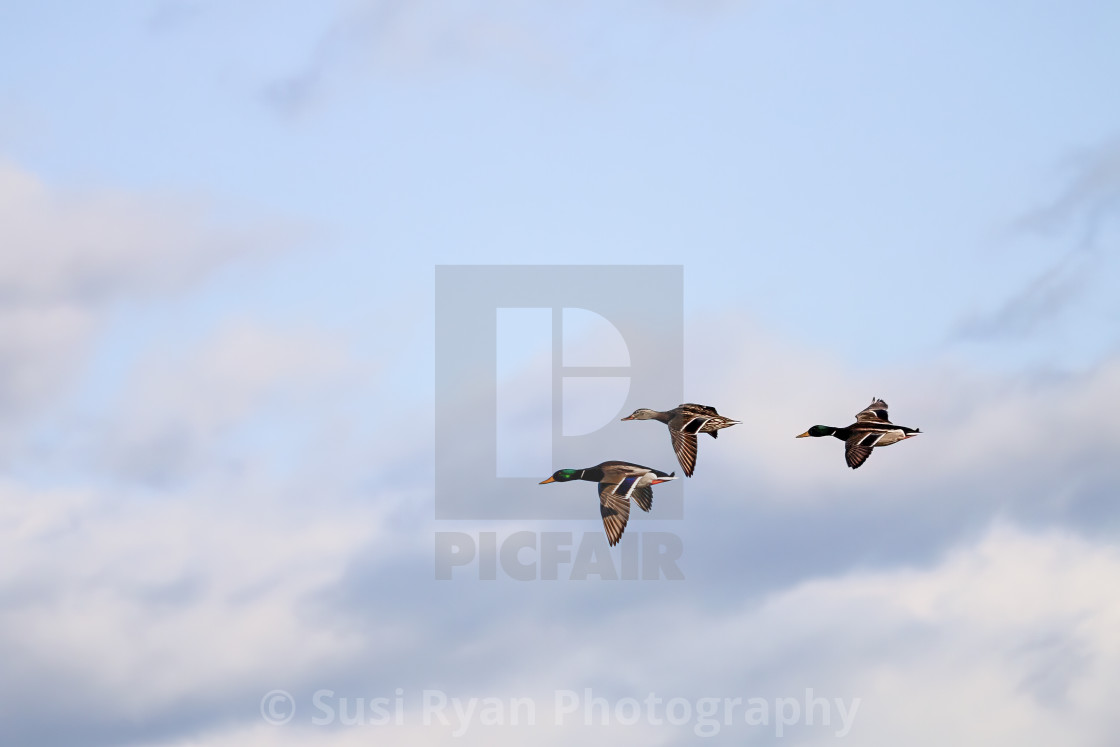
(534, 366)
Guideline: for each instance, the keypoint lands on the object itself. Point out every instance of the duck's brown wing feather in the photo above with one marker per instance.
(643, 497)
(702, 409)
(876, 412)
(685, 446)
(615, 509)
(855, 452)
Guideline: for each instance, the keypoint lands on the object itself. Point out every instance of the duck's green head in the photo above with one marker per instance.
(818, 430)
(562, 475)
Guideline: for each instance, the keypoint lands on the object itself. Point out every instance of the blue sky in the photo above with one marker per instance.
(218, 231)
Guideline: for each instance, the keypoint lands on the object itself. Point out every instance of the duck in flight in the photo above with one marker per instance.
(871, 429)
(618, 483)
(684, 422)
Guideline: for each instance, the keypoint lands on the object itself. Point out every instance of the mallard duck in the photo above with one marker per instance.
(684, 422)
(618, 483)
(871, 429)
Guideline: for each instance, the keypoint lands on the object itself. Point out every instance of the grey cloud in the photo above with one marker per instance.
(173, 15)
(368, 31)
(1055, 664)
(1091, 196)
(537, 44)
(1082, 211)
(1044, 299)
(295, 94)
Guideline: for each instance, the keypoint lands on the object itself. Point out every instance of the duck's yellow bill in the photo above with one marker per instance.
(546, 482)
(803, 435)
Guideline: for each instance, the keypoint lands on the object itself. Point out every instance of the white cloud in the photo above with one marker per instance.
(1007, 640)
(415, 733)
(141, 602)
(181, 405)
(92, 246)
(39, 349)
(1004, 641)
(141, 599)
(69, 254)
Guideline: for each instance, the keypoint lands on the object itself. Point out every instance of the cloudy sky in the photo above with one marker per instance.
(219, 228)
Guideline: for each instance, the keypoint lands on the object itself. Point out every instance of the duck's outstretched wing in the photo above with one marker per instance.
(876, 412)
(858, 447)
(643, 497)
(685, 446)
(615, 509)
